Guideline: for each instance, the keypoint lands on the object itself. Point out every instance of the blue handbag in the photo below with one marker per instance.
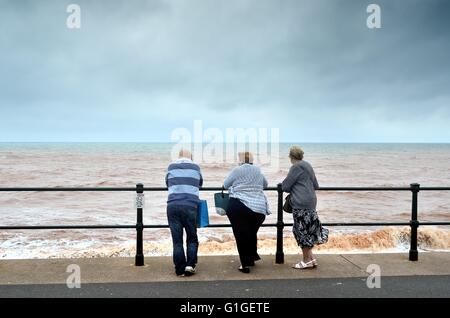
(221, 201)
(202, 214)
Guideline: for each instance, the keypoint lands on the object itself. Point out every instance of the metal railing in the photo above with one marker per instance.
(279, 255)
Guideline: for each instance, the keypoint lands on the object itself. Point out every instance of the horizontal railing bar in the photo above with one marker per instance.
(67, 189)
(434, 188)
(364, 189)
(434, 223)
(161, 226)
(349, 224)
(156, 189)
(66, 227)
(368, 224)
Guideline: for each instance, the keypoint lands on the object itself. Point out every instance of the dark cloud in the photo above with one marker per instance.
(287, 64)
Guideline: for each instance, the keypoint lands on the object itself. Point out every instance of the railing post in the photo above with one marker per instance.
(139, 230)
(279, 256)
(414, 223)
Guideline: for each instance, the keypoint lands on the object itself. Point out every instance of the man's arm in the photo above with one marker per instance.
(201, 180)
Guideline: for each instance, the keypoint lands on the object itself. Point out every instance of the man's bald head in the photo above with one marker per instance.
(184, 153)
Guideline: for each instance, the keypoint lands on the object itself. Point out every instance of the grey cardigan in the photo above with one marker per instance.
(301, 183)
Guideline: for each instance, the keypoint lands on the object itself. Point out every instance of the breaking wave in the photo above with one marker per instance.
(383, 240)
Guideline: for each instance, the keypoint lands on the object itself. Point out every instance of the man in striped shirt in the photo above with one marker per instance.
(183, 180)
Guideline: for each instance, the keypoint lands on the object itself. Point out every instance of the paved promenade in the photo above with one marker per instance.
(341, 275)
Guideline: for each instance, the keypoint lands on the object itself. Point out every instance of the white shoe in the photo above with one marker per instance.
(189, 271)
(303, 265)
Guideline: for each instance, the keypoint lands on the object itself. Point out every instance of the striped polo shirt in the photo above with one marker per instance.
(183, 179)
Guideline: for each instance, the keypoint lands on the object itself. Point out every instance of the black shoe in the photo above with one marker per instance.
(245, 270)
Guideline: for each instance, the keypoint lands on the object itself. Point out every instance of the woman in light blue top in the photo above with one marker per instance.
(247, 209)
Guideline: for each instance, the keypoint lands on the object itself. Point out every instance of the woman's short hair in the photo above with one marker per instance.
(296, 153)
(245, 157)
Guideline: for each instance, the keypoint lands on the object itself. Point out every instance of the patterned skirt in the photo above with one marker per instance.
(308, 230)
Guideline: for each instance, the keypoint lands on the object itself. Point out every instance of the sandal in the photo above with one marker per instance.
(303, 265)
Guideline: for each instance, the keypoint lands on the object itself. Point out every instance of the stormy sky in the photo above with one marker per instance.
(137, 70)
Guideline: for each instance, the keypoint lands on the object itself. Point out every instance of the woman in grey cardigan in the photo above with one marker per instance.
(301, 183)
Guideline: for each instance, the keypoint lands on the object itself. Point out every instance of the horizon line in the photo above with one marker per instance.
(173, 142)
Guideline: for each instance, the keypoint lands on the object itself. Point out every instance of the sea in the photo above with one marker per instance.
(127, 164)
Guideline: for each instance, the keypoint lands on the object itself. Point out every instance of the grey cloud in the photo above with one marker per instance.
(284, 59)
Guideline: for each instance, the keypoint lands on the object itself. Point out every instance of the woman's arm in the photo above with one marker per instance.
(265, 183)
(230, 179)
(316, 184)
(294, 173)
